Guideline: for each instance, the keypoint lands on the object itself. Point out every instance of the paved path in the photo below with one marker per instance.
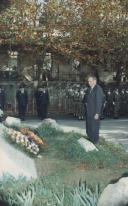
(113, 130)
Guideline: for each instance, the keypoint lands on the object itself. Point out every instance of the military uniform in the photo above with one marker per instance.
(22, 100)
(42, 101)
(123, 103)
(81, 105)
(76, 101)
(126, 92)
(109, 104)
(103, 106)
(116, 103)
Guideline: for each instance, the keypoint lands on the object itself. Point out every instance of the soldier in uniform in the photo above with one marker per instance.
(102, 115)
(126, 92)
(81, 109)
(42, 101)
(116, 103)
(109, 103)
(37, 97)
(2, 98)
(76, 100)
(22, 100)
(123, 102)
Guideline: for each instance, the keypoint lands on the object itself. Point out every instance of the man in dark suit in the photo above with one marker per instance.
(22, 100)
(42, 101)
(93, 102)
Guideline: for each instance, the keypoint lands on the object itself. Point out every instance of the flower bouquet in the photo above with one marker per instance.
(34, 137)
(25, 141)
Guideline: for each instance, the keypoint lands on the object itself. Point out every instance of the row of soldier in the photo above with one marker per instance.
(73, 101)
(41, 98)
(115, 102)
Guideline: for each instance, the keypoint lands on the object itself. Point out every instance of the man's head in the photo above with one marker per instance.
(92, 81)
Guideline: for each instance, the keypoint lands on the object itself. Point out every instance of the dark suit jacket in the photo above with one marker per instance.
(22, 98)
(42, 97)
(94, 101)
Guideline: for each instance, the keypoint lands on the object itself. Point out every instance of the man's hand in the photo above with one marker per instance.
(96, 116)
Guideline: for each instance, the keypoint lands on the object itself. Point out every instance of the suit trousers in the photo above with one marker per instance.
(43, 111)
(22, 111)
(92, 129)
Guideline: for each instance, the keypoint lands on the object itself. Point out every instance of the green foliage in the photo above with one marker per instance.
(65, 146)
(26, 198)
(46, 130)
(9, 186)
(95, 30)
(38, 193)
(103, 158)
(48, 191)
(83, 195)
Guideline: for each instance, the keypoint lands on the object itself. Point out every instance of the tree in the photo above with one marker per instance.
(4, 4)
(91, 31)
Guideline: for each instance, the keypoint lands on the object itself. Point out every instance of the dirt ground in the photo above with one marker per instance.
(70, 173)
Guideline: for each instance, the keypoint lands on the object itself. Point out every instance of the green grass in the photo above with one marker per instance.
(56, 188)
(20, 192)
(65, 146)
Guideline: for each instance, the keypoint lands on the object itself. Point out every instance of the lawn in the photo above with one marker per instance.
(65, 158)
(63, 169)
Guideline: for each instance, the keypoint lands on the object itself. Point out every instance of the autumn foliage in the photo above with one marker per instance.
(89, 30)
